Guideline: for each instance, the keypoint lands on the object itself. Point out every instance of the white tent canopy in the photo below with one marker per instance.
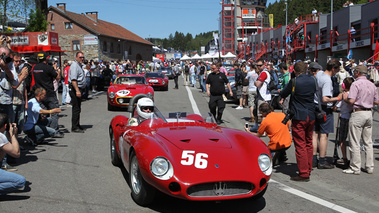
(195, 57)
(217, 54)
(185, 57)
(206, 56)
(229, 55)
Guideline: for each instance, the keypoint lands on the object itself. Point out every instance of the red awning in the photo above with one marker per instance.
(36, 49)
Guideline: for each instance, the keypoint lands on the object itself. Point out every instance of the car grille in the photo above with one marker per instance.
(219, 189)
(125, 101)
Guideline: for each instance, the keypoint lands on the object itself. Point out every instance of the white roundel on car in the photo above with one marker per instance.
(123, 93)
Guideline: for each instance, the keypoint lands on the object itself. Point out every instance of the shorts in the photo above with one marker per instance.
(252, 98)
(94, 80)
(328, 126)
(344, 129)
(239, 92)
(245, 90)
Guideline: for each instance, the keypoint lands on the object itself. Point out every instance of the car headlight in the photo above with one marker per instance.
(163, 82)
(161, 168)
(265, 164)
(150, 95)
(112, 95)
(121, 100)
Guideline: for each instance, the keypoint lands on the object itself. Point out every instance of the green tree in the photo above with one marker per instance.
(37, 22)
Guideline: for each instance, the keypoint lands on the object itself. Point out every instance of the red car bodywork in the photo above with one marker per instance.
(224, 156)
(157, 80)
(126, 90)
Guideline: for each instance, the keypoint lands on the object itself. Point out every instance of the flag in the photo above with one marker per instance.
(350, 55)
(376, 54)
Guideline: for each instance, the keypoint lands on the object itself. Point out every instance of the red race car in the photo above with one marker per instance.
(157, 80)
(188, 157)
(126, 87)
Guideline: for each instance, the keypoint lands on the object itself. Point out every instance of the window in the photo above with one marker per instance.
(105, 46)
(75, 45)
(118, 48)
(52, 26)
(111, 48)
(68, 25)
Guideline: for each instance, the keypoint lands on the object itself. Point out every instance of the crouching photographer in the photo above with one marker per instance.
(280, 137)
(302, 89)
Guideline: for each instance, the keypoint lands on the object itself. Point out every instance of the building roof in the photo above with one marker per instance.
(100, 27)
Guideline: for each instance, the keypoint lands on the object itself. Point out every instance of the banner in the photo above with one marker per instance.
(271, 18)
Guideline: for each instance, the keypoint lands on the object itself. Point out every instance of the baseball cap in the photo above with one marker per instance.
(42, 55)
(361, 69)
(315, 65)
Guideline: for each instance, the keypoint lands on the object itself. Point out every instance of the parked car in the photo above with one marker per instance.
(157, 80)
(167, 71)
(126, 87)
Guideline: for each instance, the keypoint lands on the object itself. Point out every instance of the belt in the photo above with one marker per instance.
(362, 109)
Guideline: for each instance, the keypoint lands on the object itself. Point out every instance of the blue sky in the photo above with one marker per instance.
(153, 18)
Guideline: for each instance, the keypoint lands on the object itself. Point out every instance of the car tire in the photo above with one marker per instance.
(166, 89)
(115, 158)
(260, 194)
(110, 107)
(142, 193)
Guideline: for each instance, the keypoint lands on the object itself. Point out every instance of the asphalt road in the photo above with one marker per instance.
(75, 174)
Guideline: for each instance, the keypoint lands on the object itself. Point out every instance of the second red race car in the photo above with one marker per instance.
(157, 80)
(126, 87)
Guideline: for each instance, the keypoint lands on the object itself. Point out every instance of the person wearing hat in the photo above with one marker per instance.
(44, 75)
(363, 95)
(313, 68)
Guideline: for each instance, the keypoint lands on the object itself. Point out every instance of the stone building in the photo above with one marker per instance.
(97, 39)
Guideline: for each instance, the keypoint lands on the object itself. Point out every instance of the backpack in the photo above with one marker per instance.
(186, 69)
(273, 85)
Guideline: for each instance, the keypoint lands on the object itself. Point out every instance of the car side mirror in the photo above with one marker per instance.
(111, 84)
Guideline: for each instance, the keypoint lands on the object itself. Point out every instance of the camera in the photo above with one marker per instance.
(5, 58)
(288, 117)
(247, 125)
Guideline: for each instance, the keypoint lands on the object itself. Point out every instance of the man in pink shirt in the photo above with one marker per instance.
(363, 95)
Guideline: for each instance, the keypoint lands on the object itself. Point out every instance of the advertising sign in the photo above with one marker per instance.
(20, 40)
(90, 40)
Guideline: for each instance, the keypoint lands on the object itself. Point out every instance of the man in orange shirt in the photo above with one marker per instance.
(280, 137)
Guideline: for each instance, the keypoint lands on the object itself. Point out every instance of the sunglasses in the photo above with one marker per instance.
(151, 108)
(81, 57)
(259, 65)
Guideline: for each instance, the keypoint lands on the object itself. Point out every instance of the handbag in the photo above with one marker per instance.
(320, 114)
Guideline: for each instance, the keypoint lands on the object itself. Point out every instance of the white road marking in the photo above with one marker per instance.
(193, 102)
(310, 197)
(280, 185)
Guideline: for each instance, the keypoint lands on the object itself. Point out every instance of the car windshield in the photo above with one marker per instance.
(154, 75)
(130, 80)
(165, 69)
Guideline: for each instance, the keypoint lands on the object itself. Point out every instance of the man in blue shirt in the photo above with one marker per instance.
(37, 128)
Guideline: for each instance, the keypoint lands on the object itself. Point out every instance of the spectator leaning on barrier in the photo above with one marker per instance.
(302, 108)
(363, 95)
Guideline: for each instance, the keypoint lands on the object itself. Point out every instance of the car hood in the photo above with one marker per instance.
(136, 88)
(199, 137)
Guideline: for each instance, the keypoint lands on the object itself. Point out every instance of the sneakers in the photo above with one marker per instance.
(94, 91)
(368, 171)
(351, 172)
(58, 135)
(29, 141)
(300, 179)
(325, 166)
(77, 130)
(8, 168)
(239, 107)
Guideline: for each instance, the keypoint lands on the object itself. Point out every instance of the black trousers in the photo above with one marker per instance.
(76, 108)
(176, 81)
(216, 101)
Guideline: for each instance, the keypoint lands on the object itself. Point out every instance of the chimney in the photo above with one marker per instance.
(61, 6)
(92, 15)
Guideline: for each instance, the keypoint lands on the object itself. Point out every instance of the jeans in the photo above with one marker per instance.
(52, 103)
(19, 116)
(193, 79)
(41, 130)
(64, 93)
(10, 181)
(202, 83)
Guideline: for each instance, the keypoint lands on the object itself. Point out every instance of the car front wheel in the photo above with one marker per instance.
(142, 193)
(116, 161)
